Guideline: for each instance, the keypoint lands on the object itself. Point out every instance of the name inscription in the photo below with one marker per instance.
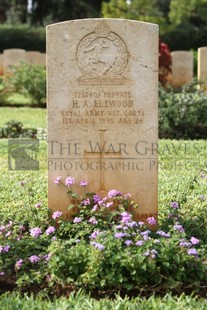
(98, 108)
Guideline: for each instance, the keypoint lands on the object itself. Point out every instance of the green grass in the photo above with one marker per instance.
(29, 117)
(82, 301)
(174, 182)
(18, 99)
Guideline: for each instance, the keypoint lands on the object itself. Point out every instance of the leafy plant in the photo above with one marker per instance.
(14, 129)
(29, 80)
(182, 115)
(102, 249)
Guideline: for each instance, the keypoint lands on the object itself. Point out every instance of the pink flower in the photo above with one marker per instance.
(192, 252)
(127, 196)
(174, 205)
(83, 183)
(47, 257)
(10, 224)
(194, 240)
(57, 180)
(86, 202)
(69, 181)
(57, 214)
(34, 259)
(151, 221)
(8, 234)
(50, 230)
(108, 204)
(126, 217)
(128, 242)
(139, 243)
(113, 193)
(38, 205)
(77, 220)
(19, 263)
(6, 248)
(93, 220)
(94, 208)
(35, 232)
(97, 245)
(96, 198)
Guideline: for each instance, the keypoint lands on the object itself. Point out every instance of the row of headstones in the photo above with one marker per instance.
(182, 63)
(14, 56)
(182, 67)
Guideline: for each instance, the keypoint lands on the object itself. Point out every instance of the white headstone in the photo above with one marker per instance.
(102, 109)
(1, 64)
(32, 57)
(202, 65)
(13, 57)
(182, 67)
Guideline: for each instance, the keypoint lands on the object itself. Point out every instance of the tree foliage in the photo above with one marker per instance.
(188, 11)
(178, 20)
(49, 11)
(55, 11)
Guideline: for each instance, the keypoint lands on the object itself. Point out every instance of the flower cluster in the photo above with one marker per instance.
(101, 227)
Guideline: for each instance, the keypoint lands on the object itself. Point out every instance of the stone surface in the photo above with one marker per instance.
(102, 109)
(13, 57)
(182, 67)
(202, 65)
(33, 57)
(42, 59)
(1, 64)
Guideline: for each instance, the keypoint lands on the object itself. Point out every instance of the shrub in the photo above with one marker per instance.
(183, 114)
(23, 36)
(185, 37)
(29, 80)
(102, 248)
(14, 129)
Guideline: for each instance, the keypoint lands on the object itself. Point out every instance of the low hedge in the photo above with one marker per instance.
(183, 112)
(185, 37)
(23, 37)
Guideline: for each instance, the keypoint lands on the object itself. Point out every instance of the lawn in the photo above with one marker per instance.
(182, 178)
(29, 117)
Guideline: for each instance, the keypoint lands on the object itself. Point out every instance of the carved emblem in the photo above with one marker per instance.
(102, 57)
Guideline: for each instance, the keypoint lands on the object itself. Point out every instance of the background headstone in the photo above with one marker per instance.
(102, 109)
(12, 57)
(202, 65)
(42, 59)
(32, 57)
(182, 67)
(1, 64)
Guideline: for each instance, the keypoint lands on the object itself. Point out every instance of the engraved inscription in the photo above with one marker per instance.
(102, 57)
(102, 108)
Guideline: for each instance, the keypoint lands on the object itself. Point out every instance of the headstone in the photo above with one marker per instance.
(42, 59)
(33, 57)
(13, 57)
(102, 109)
(1, 64)
(202, 65)
(182, 67)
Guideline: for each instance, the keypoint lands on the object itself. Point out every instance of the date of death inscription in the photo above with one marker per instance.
(97, 108)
